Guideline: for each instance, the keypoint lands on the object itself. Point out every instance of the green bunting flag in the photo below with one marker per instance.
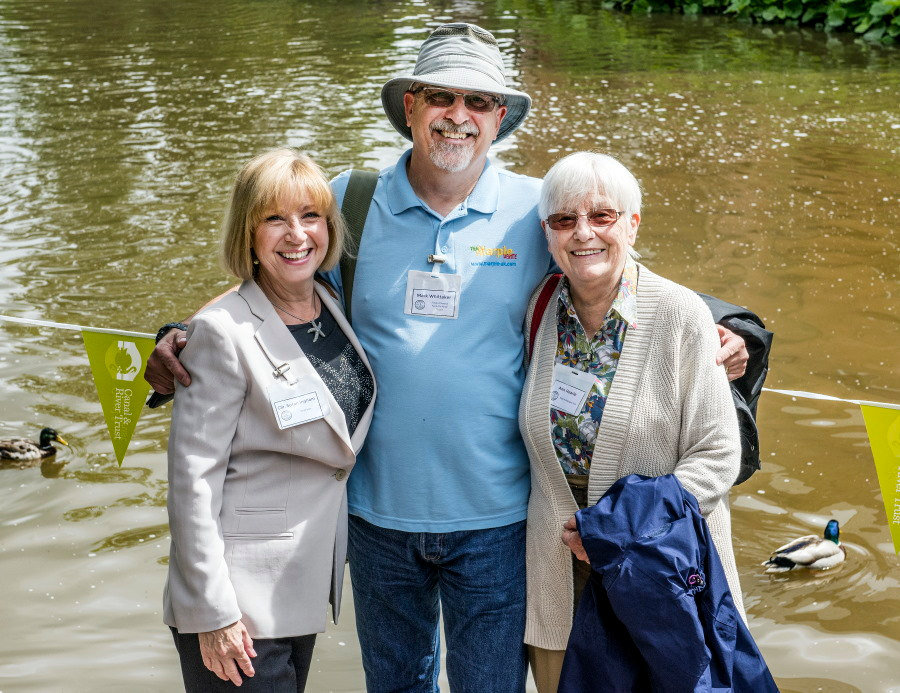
(118, 362)
(883, 427)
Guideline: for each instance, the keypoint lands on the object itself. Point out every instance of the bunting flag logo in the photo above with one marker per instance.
(117, 363)
(123, 360)
(883, 427)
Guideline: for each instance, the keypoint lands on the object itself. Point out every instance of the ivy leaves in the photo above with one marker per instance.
(874, 20)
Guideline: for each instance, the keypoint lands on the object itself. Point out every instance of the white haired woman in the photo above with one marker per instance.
(643, 350)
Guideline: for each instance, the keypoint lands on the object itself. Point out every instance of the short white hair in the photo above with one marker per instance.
(587, 178)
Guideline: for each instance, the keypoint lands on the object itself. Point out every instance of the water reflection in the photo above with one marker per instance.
(769, 159)
(124, 540)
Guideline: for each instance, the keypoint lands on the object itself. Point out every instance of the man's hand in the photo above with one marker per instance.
(221, 648)
(163, 366)
(572, 539)
(733, 353)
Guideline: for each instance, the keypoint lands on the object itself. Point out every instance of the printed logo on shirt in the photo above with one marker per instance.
(493, 257)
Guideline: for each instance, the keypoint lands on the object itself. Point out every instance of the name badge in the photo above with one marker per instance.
(571, 388)
(297, 405)
(433, 295)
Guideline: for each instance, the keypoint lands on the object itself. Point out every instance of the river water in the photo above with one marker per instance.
(769, 157)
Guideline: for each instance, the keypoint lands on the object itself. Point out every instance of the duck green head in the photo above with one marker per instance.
(48, 435)
(833, 531)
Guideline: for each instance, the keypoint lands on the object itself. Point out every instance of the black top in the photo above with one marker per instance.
(338, 364)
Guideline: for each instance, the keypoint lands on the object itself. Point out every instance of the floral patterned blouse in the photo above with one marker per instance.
(574, 436)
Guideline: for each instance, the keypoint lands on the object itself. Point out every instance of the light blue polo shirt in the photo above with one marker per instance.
(443, 451)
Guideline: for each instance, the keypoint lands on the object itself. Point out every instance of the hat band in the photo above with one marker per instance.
(445, 63)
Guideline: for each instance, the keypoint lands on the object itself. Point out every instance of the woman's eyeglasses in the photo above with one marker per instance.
(598, 218)
(445, 98)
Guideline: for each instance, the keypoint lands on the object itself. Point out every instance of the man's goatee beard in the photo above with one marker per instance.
(451, 158)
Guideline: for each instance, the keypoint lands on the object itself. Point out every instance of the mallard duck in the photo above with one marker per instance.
(23, 449)
(816, 553)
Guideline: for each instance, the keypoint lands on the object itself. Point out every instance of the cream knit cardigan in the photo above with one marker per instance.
(669, 410)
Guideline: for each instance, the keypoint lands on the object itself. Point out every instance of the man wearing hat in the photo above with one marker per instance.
(450, 253)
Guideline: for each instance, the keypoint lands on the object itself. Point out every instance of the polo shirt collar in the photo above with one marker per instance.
(483, 198)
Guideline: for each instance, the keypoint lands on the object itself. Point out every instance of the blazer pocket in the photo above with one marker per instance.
(260, 523)
(242, 536)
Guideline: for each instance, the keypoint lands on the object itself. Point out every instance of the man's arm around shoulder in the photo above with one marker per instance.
(163, 366)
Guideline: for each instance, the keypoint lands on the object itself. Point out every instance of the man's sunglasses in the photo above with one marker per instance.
(476, 102)
(598, 218)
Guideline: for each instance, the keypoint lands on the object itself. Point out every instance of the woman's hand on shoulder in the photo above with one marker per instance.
(221, 648)
(572, 539)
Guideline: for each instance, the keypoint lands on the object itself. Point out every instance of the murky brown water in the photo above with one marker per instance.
(770, 160)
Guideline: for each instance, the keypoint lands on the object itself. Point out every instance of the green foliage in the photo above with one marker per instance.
(874, 20)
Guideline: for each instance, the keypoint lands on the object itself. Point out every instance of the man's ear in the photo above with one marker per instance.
(501, 114)
(408, 100)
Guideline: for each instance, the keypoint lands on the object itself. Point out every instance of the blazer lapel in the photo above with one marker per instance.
(287, 358)
(359, 435)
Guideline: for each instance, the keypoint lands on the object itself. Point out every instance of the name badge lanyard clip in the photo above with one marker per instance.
(433, 294)
(293, 406)
(436, 259)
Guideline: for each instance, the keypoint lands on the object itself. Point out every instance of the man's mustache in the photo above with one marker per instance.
(447, 125)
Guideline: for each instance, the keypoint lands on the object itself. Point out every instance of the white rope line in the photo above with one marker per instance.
(78, 328)
(75, 328)
(815, 395)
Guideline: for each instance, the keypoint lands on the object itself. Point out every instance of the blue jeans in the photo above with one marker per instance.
(401, 583)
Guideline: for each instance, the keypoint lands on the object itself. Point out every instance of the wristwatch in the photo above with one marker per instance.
(164, 330)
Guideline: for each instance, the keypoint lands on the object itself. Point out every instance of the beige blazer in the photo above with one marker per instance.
(258, 515)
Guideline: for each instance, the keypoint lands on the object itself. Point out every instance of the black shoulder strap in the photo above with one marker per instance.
(355, 209)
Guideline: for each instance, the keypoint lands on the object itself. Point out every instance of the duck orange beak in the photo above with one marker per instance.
(60, 440)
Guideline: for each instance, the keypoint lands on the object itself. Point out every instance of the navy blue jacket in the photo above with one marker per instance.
(657, 614)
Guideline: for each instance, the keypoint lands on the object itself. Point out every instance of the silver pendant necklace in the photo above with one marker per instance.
(316, 329)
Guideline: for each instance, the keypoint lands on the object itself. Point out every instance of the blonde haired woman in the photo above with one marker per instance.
(262, 441)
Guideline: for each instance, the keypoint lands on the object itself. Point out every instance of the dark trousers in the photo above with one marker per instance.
(281, 666)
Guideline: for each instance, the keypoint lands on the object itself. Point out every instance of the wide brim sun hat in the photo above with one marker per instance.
(457, 56)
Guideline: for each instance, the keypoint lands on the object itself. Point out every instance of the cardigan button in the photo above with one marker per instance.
(340, 474)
